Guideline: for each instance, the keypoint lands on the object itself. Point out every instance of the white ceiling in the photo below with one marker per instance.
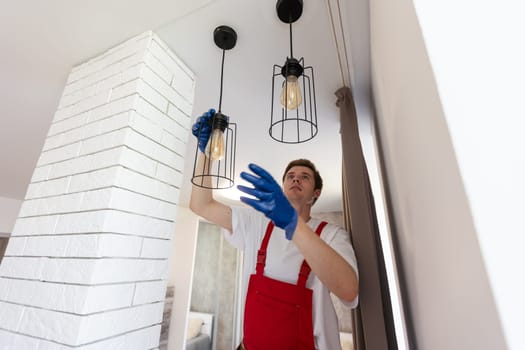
(41, 41)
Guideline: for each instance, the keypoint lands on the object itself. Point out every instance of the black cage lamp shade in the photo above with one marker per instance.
(293, 110)
(217, 169)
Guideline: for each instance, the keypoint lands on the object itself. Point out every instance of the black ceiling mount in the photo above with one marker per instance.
(289, 11)
(292, 67)
(225, 37)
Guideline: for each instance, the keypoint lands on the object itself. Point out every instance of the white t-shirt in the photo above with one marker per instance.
(283, 261)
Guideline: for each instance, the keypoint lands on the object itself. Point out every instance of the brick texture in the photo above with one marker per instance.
(86, 265)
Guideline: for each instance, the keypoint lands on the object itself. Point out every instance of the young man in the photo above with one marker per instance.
(286, 305)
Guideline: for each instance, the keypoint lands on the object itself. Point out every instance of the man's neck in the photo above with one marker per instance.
(303, 211)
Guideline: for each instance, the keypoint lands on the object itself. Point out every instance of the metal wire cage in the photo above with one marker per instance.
(217, 169)
(298, 125)
(294, 109)
(216, 174)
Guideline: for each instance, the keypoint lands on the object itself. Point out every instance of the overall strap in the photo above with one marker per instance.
(304, 272)
(261, 254)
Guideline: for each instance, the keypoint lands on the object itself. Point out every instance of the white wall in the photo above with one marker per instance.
(437, 205)
(8, 213)
(478, 59)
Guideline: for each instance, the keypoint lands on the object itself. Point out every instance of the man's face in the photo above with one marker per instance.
(299, 183)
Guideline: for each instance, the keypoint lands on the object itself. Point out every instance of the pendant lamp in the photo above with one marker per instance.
(294, 110)
(218, 168)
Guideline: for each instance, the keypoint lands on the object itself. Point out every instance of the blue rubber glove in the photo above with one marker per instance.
(202, 129)
(270, 199)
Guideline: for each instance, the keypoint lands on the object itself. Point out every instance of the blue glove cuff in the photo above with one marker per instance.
(290, 228)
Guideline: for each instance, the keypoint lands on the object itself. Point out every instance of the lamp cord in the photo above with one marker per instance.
(222, 74)
(291, 43)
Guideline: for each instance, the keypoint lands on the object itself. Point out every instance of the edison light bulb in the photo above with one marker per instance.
(291, 96)
(215, 147)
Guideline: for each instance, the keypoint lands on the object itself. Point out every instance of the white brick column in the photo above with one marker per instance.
(86, 265)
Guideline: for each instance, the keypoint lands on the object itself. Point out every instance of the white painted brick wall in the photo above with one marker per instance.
(152, 187)
(106, 141)
(116, 106)
(167, 92)
(110, 198)
(59, 154)
(168, 175)
(83, 271)
(158, 67)
(183, 79)
(156, 248)
(146, 338)
(110, 221)
(146, 127)
(94, 180)
(108, 297)
(90, 129)
(41, 173)
(13, 341)
(51, 205)
(103, 325)
(85, 222)
(35, 225)
(75, 299)
(127, 223)
(138, 162)
(158, 152)
(86, 163)
(86, 266)
(48, 188)
(98, 245)
(149, 292)
(51, 325)
(11, 316)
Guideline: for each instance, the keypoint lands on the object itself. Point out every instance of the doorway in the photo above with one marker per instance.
(216, 285)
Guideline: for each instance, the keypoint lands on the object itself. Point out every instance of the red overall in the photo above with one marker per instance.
(278, 315)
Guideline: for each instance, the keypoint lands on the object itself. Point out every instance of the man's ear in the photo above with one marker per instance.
(317, 193)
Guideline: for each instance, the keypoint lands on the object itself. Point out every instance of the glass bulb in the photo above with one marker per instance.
(291, 96)
(215, 147)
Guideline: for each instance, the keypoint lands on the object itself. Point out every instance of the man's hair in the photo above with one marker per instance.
(318, 181)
